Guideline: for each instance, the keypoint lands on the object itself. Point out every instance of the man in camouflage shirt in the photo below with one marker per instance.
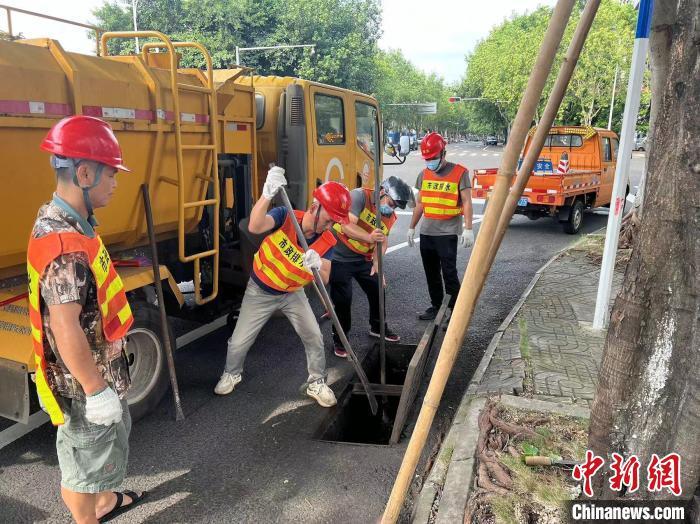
(68, 279)
(87, 374)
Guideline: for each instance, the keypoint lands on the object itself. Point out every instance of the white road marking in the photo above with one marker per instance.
(484, 154)
(473, 154)
(495, 154)
(417, 240)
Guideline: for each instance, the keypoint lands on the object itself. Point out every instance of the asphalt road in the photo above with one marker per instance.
(251, 456)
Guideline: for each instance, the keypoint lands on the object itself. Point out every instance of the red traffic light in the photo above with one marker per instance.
(454, 99)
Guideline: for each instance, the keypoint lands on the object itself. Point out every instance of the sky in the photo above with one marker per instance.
(434, 35)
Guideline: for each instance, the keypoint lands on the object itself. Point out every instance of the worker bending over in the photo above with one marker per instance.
(355, 256)
(443, 199)
(80, 316)
(281, 269)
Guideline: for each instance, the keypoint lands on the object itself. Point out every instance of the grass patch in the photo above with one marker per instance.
(537, 494)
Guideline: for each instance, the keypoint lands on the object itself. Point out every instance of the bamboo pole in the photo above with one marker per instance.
(550, 113)
(477, 268)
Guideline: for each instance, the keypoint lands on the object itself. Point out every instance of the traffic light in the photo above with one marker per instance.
(454, 99)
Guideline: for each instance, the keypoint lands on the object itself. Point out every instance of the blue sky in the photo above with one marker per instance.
(435, 35)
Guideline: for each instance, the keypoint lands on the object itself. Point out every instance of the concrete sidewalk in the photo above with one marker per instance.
(545, 350)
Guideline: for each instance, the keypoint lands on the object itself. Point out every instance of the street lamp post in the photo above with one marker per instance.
(133, 12)
(267, 48)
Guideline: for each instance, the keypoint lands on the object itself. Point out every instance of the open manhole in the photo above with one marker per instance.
(351, 420)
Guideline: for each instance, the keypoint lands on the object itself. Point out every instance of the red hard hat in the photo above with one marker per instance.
(85, 137)
(432, 145)
(334, 197)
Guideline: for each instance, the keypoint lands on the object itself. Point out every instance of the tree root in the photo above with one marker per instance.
(513, 429)
(485, 482)
(496, 470)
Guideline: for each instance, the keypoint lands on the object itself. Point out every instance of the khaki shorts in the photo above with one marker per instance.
(92, 457)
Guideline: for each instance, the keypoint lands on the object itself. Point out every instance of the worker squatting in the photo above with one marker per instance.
(80, 314)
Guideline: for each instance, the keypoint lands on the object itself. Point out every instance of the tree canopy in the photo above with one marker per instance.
(499, 67)
(346, 32)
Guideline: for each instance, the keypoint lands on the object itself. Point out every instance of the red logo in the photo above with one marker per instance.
(626, 473)
(665, 473)
(586, 471)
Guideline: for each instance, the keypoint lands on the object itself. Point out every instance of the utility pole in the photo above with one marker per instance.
(617, 203)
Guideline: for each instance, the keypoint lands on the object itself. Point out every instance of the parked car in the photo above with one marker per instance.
(491, 141)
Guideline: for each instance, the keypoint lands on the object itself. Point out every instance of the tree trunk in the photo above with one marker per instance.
(648, 399)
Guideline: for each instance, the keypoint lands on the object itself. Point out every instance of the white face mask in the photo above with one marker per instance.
(433, 164)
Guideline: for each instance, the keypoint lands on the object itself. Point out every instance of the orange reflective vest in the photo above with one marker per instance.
(111, 297)
(368, 222)
(279, 264)
(440, 194)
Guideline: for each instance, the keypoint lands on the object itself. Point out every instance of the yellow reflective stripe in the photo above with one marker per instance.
(279, 265)
(360, 246)
(44, 391)
(440, 211)
(438, 200)
(100, 265)
(36, 333)
(124, 314)
(114, 288)
(33, 276)
(269, 273)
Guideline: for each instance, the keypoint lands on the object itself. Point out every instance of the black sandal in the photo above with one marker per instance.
(119, 507)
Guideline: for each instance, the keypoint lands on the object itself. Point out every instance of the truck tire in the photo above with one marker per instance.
(148, 366)
(575, 221)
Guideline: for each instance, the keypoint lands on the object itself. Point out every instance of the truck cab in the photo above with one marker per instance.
(574, 172)
(316, 132)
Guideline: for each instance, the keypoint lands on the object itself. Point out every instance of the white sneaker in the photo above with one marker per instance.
(226, 383)
(320, 391)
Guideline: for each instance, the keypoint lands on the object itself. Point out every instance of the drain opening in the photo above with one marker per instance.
(351, 420)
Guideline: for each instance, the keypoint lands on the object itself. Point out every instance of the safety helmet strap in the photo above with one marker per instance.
(72, 164)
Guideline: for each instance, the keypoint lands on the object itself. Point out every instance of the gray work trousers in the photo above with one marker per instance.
(257, 308)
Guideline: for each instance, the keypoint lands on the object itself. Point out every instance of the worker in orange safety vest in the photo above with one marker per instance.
(281, 269)
(355, 256)
(445, 205)
(80, 316)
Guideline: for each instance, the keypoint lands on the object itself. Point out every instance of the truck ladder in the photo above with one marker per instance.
(210, 149)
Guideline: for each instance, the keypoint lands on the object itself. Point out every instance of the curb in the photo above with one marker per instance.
(452, 501)
(490, 350)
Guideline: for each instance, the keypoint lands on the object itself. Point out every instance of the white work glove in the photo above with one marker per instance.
(104, 408)
(466, 239)
(410, 237)
(274, 181)
(312, 260)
